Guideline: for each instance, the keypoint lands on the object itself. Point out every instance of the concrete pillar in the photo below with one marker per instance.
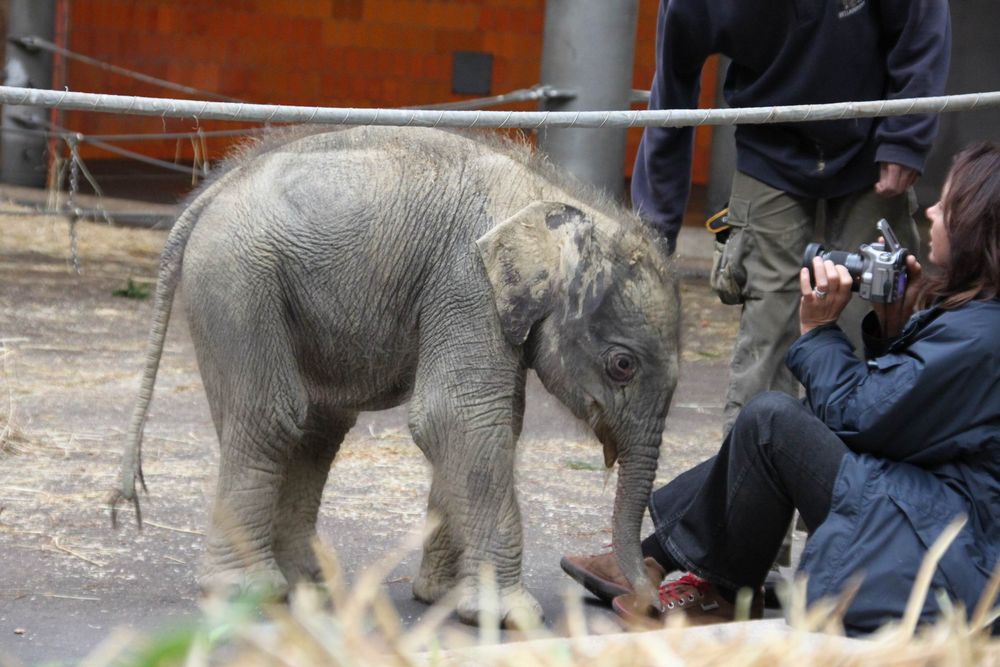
(22, 156)
(589, 48)
(974, 45)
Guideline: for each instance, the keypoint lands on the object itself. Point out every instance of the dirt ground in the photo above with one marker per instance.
(71, 354)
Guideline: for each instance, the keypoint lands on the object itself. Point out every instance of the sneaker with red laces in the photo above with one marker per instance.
(601, 575)
(698, 600)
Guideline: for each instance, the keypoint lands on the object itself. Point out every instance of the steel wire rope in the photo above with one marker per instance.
(35, 42)
(164, 107)
(134, 136)
(536, 92)
(56, 131)
(167, 107)
(78, 166)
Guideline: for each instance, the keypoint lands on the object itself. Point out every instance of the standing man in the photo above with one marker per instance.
(828, 181)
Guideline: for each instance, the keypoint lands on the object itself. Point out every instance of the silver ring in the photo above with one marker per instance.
(818, 293)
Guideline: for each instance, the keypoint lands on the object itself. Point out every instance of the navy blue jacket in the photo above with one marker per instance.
(922, 421)
(794, 52)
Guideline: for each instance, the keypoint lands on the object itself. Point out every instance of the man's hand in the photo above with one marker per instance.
(894, 179)
(823, 304)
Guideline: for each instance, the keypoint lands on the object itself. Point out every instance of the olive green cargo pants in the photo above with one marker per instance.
(771, 229)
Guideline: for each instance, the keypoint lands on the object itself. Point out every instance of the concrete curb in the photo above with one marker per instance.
(739, 634)
(121, 211)
(693, 257)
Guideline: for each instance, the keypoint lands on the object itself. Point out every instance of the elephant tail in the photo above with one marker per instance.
(169, 278)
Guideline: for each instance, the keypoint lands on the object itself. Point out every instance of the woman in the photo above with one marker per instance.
(882, 456)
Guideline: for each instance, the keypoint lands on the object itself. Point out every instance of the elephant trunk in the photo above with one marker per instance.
(635, 482)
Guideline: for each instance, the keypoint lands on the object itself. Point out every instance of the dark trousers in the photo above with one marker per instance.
(725, 518)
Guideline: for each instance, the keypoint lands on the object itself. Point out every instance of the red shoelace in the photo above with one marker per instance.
(682, 591)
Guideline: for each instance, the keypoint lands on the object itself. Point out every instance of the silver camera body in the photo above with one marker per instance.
(878, 270)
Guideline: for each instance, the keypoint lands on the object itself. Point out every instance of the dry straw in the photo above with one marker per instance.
(12, 441)
(358, 625)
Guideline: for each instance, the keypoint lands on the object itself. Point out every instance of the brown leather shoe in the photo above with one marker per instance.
(698, 600)
(601, 575)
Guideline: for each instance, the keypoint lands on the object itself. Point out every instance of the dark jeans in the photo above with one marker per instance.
(725, 518)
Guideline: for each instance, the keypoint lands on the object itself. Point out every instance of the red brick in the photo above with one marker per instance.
(319, 9)
(344, 52)
(166, 18)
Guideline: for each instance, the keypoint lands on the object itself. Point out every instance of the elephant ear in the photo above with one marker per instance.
(523, 256)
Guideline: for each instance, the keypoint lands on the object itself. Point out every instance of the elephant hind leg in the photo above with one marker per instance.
(261, 413)
(301, 492)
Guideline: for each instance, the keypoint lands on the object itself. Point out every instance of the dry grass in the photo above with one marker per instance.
(12, 440)
(364, 629)
(47, 236)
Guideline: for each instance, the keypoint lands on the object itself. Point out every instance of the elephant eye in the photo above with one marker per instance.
(620, 367)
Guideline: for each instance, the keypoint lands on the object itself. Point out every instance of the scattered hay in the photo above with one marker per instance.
(12, 440)
(99, 243)
(364, 629)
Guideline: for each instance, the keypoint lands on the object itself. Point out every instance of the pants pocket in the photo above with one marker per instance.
(728, 277)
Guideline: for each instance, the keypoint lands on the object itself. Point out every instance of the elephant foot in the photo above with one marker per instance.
(429, 589)
(516, 607)
(260, 584)
(438, 575)
(299, 565)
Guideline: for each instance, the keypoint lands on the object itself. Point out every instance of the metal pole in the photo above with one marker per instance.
(23, 155)
(589, 49)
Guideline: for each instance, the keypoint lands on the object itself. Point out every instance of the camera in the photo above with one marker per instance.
(878, 270)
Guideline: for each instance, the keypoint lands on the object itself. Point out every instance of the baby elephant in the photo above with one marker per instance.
(328, 273)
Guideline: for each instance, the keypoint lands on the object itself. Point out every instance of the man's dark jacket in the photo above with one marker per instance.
(923, 422)
(794, 52)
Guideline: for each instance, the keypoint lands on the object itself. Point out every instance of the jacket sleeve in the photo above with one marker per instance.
(911, 404)
(917, 35)
(661, 178)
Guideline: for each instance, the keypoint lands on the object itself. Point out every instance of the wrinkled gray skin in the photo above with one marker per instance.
(357, 269)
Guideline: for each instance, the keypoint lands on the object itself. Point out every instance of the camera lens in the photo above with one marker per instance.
(853, 262)
(812, 250)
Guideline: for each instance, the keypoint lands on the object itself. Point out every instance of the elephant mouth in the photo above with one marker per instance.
(605, 435)
(610, 450)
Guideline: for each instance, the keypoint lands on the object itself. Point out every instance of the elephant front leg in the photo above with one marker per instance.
(465, 415)
(442, 550)
(491, 523)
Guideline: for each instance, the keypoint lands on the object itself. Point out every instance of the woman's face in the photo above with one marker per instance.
(940, 249)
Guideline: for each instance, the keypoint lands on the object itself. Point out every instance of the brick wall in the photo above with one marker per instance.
(362, 53)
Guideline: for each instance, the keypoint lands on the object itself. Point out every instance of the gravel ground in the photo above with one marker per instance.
(71, 354)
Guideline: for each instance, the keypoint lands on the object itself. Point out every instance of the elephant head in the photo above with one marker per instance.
(594, 302)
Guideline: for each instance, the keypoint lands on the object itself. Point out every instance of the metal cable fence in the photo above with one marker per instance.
(268, 113)
(74, 165)
(462, 114)
(38, 43)
(276, 113)
(466, 114)
(72, 138)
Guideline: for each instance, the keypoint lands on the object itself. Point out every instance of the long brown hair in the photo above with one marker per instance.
(971, 209)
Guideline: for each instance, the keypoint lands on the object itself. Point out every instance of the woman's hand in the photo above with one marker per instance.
(892, 316)
(823, 304)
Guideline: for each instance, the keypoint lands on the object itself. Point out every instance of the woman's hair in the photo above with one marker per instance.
(971, 209)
